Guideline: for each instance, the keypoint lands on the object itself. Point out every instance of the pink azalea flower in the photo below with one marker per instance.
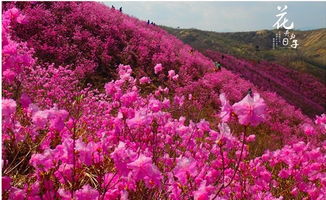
(64, 194)
(42, 161)
(321, 121)
(185, 167)
(14, 12)
(8, 107)
(40, 118)
(158, 68)
(33, 191)
(308, 130)
(144, 80)
(266, 176)
(174, 189)
(124, 69)
(112, 194)
(25, 100)
(88, 153)
(171, 73)
(64, 173)
(57, 124)
(87, 193)
(129, 129)
(294, 191)
(32, 108)
(141, 118)
(57, 118)
(155, 105)
(127, 112)
(21, 19)
(64, 151)
(250, 110)
(11, 48)
(143, 168)
(226, 108)
(225, 132)
(166, 90)
(54, 116)
(124, 195)
(6, 183)
(129, 98)
(110, 180)
(179, 101)
(203, 125)
(166, 103)
(17, 194)
(203, 192)
(122, 156)
(9, 75)
(284, 173)
(110, 88)
(157, 93)
(175, 77)
(251, 138)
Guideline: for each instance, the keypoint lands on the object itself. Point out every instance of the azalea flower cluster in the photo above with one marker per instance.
(136, 137)
(139, 150)
(15, 55)
(89, 35)
(275, 128)
(303, 90)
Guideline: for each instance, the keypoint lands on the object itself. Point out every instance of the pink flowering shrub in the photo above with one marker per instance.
(92, 38)
(321, 121)
(15, 55)
(275, 128)
(161, 127)
(143, 151)
(296, 171)
(302, 90)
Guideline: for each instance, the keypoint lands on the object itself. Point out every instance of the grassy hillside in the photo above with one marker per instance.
(309, 57)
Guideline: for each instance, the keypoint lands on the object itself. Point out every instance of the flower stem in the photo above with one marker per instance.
(237, 166)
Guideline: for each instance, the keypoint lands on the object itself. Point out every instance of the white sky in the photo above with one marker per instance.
(226, 16)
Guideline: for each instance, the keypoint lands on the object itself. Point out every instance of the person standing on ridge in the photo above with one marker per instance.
(218, 66)
(250, 92)
(120, 9)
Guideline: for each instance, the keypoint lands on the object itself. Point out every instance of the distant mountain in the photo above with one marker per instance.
(309, 57)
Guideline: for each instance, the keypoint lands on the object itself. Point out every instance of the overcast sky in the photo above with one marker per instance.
(226, 16)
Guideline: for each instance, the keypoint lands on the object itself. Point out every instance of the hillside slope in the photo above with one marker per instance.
(310, 57)
(92, 39)
(301, 90)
